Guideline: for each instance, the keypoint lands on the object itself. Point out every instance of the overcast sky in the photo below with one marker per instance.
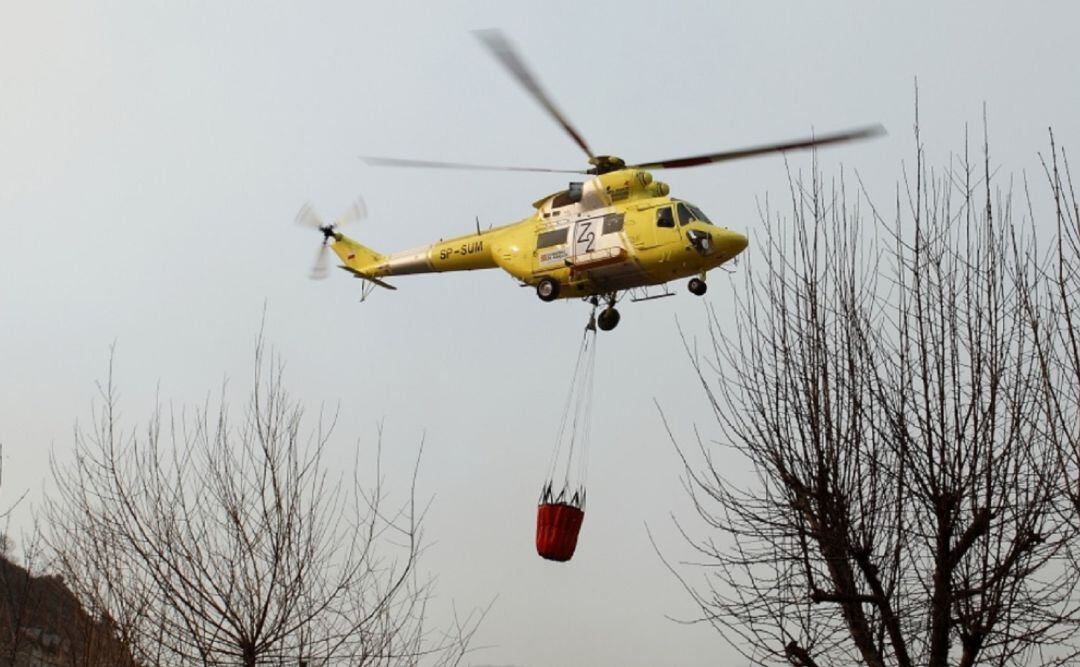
(153, 155)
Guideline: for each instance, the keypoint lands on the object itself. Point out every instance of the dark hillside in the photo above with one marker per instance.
(43, 624)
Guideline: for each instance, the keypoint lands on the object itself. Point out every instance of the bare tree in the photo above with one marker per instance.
(1059, 344)
(887, 387)
(213, 542)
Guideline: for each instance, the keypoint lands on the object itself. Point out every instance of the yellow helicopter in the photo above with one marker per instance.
(616, 230)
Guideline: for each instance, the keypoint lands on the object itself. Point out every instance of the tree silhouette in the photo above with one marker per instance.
(218, 542)
(897, 390)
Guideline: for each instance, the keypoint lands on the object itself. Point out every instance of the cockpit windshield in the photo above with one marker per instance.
(698, 214)
(688, 213)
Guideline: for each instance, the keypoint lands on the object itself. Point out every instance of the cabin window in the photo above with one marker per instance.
(612, 223)
(664, 217)
(554, 237)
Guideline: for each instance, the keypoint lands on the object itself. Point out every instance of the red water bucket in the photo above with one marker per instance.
(557, 527)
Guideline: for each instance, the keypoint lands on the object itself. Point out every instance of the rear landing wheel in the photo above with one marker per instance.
(547, 289)
(608, 319)
(697, 286)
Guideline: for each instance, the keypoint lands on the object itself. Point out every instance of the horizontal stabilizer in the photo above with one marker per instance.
(364, 276)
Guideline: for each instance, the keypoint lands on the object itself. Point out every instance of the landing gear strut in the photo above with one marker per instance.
(697, 286)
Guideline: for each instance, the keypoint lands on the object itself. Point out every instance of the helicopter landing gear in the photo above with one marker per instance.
(547, 289)
(608, 319)
(697, 286)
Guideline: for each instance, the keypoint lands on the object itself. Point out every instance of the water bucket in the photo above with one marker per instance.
(557, 528)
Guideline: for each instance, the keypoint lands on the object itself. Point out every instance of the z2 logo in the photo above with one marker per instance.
(585, 238)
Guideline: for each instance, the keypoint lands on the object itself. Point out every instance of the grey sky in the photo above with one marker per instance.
(153, 154)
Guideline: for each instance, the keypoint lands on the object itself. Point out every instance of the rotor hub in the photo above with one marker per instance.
(603, 164)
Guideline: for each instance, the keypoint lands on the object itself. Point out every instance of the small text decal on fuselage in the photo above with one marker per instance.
(463, 249)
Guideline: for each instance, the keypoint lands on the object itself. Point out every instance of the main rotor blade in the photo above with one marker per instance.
(504, 52)
(428, 164)
(799, 144)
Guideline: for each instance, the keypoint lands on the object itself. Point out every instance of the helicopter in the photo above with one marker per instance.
(613, 230)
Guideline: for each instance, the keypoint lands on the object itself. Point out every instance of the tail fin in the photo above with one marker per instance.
(356, 256)
(360, 260)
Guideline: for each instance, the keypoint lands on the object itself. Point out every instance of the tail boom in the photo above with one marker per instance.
(465, 253)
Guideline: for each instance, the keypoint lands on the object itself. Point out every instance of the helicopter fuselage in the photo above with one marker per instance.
(616, 231)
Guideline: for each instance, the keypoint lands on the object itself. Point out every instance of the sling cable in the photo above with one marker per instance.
(561, 508)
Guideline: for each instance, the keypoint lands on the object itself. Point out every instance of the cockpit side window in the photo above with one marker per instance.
(664, 217)
(686, 214)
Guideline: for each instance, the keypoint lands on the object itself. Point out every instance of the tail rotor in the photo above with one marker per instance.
(308, 217)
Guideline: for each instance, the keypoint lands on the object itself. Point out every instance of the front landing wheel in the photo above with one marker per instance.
(697, 286)
(547, 289)
(608, 319)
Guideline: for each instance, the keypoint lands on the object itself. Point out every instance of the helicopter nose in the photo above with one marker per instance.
(731, 243)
